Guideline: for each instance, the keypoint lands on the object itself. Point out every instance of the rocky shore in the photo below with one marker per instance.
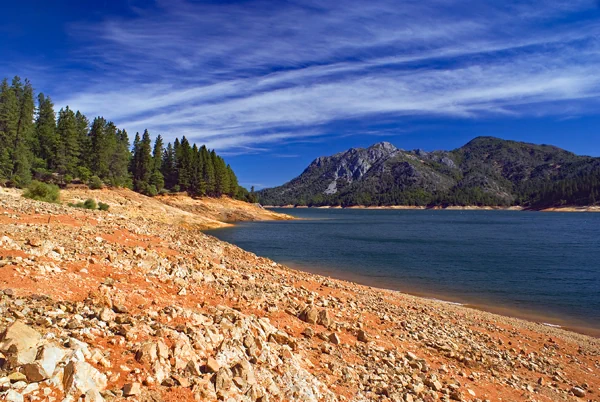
(133, 306)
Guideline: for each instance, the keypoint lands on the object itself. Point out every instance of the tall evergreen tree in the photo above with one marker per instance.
(45, 130)
(98, 161)
(85, 143)
(184, 157)
(66, 156)
(156, 177)
(119, 172)
(233, 182)
(209, 171)
(168, 166)
(22, 141)
(221, 175)
(143, 164)
(9, 120)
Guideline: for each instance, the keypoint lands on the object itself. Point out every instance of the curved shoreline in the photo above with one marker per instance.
(534, 317)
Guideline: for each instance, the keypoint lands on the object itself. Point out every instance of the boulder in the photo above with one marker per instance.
(147, 353)
(107, 315)
(578, 392)
(324, 319)
(34, 372)
(334, 338)
(13, 396)
(212, 366)
(48, 357)
(80, 377)
(223, 380)
(310, 314)
(132, 389)
(19, 342)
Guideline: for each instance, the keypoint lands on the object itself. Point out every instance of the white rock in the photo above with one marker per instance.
(13, 396)
(80, 377)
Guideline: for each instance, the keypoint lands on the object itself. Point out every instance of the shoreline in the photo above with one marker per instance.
(184, 296)
(533, 317)
(449, 208)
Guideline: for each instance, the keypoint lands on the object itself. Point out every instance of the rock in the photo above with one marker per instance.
(223, 380)
(16, 377)
(13, 396)
(107, 315)
(578, 392)
(212, 366)
(411, 356)
(308, 332)
(147, 353)
(334, 338)
(35, 242)
(310, 314)
(132, 389)
(19, 343)
(434, 385)
(80, 377)
(324, 319)
(243, 369)
(120, 308)
(362, 336)
(34, 372)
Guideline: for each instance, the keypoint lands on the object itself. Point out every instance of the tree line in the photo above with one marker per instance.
(37, 143)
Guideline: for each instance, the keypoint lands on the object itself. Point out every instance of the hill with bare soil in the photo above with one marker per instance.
(223, 209)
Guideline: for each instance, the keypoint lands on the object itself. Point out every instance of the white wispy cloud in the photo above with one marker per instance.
(242, 76)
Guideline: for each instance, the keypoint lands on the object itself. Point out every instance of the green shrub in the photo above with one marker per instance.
(176, 188)
(90, 204)
(163, 191)
(42, 192)
(68, 179)
(84, 174)
(103, 207)
(95, 183)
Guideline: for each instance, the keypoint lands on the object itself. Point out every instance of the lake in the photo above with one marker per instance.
(540, 266)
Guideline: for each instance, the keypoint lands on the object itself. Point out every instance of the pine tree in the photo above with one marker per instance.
(98, 163)
(221, 175)
(199, 177)
(157, 153)
(23, 156)
(183, 155)
(66, 156)
(119, 172)
(168, 166)
(209, 171)
(143, 165)
(9, 119)
(233, 182)
(156, 177)
(45, 130)
(85, 143)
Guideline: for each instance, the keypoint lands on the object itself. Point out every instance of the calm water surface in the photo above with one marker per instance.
(542, 266)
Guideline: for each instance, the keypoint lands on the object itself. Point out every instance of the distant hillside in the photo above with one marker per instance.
(487, 171)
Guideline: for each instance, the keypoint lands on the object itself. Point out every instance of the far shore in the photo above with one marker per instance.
(449, 208)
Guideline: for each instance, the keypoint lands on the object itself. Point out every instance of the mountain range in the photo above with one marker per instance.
(487, 171)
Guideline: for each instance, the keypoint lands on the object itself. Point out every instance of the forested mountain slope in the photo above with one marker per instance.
(486, 171)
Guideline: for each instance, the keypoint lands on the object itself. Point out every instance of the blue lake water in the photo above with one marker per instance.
(541, 266)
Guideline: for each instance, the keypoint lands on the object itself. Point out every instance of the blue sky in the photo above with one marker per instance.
(273, 84)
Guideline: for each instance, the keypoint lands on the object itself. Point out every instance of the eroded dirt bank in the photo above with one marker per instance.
(141, 305)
